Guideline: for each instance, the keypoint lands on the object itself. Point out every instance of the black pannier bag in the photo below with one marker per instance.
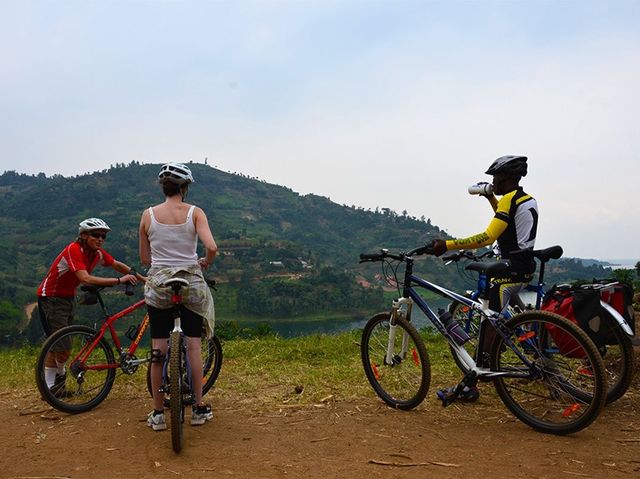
(582, 305)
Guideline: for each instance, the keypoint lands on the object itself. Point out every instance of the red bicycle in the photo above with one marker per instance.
(77, 367)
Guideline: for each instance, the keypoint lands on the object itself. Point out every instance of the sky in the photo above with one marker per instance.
(389, 104)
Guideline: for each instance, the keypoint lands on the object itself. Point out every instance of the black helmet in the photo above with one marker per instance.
(510, 165)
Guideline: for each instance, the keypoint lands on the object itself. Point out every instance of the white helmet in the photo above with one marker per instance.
(93, 224)
(176, 173)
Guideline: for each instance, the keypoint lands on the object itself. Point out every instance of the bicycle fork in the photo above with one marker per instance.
(397, 312)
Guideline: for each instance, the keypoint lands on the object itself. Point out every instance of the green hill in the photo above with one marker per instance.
(298, 253)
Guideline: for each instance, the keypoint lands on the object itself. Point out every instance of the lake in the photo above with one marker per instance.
(292, 327)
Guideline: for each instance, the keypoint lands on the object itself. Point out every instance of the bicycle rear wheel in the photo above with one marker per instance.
(558, 393)
(87, 372)
(404, 381)
(176, 404)
(211, 364)
(618, 361)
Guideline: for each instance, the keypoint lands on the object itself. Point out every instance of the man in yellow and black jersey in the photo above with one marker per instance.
(514, 227)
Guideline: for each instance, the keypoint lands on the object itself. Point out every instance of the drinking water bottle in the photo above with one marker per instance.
(453, 328)
(482, 188)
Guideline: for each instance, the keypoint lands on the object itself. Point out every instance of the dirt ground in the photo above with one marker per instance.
(333, 439)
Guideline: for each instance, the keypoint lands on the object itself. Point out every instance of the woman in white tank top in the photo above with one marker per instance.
(169, 234)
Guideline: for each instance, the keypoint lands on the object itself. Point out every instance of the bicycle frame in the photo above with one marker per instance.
(108, 324)
(410, 295)
(176, 299)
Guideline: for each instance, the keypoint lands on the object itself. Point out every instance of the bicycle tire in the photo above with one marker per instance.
(469, 321)
(562, 394)
(402, 384)
(211, 365)
(83, 387)
(618, 362)
(176, 404)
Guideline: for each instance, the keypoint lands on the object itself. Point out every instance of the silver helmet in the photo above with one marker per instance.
(176, 173)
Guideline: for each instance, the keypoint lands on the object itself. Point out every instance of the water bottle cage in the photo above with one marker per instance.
(132, 332)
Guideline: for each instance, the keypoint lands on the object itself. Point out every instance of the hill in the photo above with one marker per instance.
(270, 237)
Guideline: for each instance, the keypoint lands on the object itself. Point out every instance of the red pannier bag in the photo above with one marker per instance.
(581, 307)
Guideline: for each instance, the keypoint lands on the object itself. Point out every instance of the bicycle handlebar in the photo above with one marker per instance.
(455, 256)
(384, 254)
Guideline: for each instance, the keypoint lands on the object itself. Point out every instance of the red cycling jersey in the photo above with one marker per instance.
(61, 279)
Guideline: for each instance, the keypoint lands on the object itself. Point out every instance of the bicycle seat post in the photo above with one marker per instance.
(176, 298)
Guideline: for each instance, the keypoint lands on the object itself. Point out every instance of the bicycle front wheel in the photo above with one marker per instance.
(395, 361)
(84, 371)
(556, 392)
(176, 404)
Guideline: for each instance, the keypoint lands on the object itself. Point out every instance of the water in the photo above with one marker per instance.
(622, 263)
(292, 327)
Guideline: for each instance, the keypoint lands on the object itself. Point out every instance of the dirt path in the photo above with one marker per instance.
(361, 439)
(28, 309)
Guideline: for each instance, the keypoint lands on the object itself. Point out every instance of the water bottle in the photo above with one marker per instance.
(453, 328)
(482, 188)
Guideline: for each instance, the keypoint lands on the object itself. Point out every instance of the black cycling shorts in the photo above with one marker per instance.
(162, 322)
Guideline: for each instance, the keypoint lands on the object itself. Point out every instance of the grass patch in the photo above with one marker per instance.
(266, 371)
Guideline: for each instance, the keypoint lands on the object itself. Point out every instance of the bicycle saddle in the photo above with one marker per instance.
(489, 268)
(544, 255)
(175, 283)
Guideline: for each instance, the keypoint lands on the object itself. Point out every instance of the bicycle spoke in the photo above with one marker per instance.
(403, 380)
(78, 386)
(557, 397)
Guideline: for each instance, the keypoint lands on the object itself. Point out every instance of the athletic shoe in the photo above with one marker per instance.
(156, 421)
(201, 414)
(468, 394)
(58, 389)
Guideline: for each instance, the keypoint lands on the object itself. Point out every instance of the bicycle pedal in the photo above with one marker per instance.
(447, 396)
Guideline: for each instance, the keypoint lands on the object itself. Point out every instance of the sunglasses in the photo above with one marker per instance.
(99, 235)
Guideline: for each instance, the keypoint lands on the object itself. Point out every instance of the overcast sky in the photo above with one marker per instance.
(398, 104)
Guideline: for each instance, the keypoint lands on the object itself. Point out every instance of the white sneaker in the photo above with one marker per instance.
(156, 421)
(200, 415)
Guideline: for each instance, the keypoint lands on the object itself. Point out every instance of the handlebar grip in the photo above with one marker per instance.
(426, 249)
(451, 257)
(128, 288)
(370, 257)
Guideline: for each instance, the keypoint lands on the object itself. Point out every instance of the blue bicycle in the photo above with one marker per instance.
(552, 393)
(177, 380)
(617, 356)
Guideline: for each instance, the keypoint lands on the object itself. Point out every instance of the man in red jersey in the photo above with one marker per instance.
(56, 293)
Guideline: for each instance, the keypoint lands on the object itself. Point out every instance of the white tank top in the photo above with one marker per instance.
(173, 245)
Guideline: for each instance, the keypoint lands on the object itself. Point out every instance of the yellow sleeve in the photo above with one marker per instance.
(492, 233)
(494, 202)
